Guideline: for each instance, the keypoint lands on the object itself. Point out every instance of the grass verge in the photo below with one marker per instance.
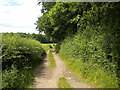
(52, 63)
(62, 83)
(92, 74)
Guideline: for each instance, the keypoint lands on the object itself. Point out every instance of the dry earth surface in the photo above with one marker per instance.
(45, 77)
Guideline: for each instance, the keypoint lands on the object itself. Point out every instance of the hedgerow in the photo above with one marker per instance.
(88, 35)
(23, 54)
(14, 78)
(88, 58)
(94, 51)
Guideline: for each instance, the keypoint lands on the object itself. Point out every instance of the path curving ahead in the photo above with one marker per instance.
(45, 77)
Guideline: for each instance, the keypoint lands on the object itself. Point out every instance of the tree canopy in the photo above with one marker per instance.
(63, 19)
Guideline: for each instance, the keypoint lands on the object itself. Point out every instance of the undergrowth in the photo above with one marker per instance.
(14, 78)
(93, 74)
(88, 59)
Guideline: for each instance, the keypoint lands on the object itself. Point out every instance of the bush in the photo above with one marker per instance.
(95, 55)
(19, 57)
(16, 79)
(21, 52)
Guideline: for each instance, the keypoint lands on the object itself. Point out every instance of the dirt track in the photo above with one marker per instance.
(45, 77)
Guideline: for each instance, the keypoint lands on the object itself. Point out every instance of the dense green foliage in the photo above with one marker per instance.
(61, 20)
(88, 59)
(19, 56)
(20, 51)
(46, 6)
(88, 36)
(38, 37)
(14, 78)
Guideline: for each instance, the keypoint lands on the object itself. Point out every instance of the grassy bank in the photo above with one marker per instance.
(92, 74)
